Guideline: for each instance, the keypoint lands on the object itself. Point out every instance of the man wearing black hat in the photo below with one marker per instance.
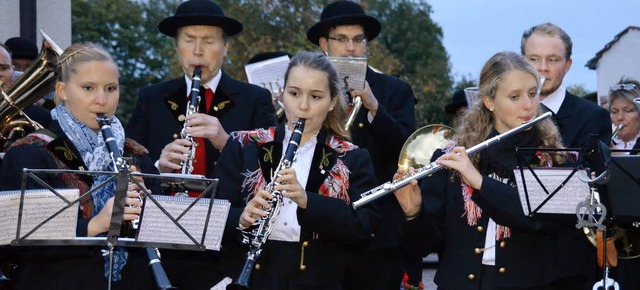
(200, 31)
(24, 51)
(381, 126)
(457, 107)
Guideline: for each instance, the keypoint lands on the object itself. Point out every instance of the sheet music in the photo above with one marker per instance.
(155, 226)
(353, 69)
(563, 202)
(38, 205)
(269, 73)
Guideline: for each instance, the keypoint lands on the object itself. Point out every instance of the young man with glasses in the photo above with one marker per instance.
(381, 126)
(548, 48)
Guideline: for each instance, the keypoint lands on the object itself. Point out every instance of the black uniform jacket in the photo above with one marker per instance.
(159, 114)
(383, 138)
(71, 267)
(326, 224)
(523, 259)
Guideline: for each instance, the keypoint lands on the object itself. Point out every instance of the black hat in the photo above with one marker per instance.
(343, 12)
(458, 100)
(22, 48)
(199, 12)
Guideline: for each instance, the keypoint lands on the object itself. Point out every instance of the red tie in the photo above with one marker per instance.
(200, 160)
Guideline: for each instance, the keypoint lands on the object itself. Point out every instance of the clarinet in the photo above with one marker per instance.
(162, 281)
(192, 108)
(257, 237)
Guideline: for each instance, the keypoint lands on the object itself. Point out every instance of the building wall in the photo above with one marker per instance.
(53, 17)
(621, 60)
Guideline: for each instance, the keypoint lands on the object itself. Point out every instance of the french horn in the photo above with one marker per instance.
(35, 83)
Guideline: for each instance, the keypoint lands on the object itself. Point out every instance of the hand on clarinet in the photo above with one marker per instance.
(173, 154)
(101, 222)
(458, 160)
(208, 127)
(291, 188)
(409, 197)
(255, 209)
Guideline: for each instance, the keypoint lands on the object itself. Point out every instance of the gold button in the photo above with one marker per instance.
(503, 244)
(215, 108)
(502, 270)
(175, 136)
(181, 118)
(480, 229)
(305, 244)
(303, 267)
(195, 161)
(471, 276)
(477, 251)
(257, 267)
(360, 125)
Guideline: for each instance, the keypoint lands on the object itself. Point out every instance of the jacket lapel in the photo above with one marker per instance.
(222, 100)
(324, 158)
(63, 149)
(176, 101)
(269, 154)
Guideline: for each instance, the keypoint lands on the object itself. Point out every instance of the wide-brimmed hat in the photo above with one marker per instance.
(22, 48)
(343, 12)
(199, 12)
(458, 100)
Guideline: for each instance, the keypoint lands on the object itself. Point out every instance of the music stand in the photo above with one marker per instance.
(622, 193)
(549, 192)
(114, 238)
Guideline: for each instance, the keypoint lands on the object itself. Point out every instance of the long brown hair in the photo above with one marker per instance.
(334, 122)
(478, 123)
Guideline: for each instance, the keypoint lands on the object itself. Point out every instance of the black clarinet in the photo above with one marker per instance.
(162, 281)
(257, 237)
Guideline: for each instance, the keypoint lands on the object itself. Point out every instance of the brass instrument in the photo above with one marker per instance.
(257, 237)
(34, 84)
(431, 168)
(276, 97)
(419, 147)
(356, 104)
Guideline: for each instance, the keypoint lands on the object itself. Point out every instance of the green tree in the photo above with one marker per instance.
(578, 90)
(127, 29)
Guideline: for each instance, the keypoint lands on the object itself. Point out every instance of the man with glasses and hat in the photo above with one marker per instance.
(548, 48)
(381, 126)
(201, 33)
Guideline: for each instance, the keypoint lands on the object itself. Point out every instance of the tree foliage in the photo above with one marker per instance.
(409, 46)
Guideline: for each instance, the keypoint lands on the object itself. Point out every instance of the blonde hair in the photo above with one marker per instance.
(548, 29)
(334, 122)
(76, 54)
(478, 123)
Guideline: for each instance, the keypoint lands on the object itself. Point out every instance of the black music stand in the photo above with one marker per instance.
(563, 183)
(114, 238)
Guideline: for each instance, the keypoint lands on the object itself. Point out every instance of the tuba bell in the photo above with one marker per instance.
(35, 83)
(419, 147)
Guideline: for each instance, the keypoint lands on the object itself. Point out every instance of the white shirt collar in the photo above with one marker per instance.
(555, 99)
(212, 84)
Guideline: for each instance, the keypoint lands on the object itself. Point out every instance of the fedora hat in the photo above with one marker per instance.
(458, 100)
(343, 12)
(199, 12)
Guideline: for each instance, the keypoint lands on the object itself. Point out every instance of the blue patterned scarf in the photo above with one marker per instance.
(96, 157)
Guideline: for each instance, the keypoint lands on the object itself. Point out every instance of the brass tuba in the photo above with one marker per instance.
(34, 84)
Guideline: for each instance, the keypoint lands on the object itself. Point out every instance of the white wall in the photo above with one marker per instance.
(53, 17)
(622, 59)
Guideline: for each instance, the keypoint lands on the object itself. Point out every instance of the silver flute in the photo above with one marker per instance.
(431, 168)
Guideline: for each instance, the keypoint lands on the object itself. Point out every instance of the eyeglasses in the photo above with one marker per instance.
(360, 39)
(626, 87)
(4, 66)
